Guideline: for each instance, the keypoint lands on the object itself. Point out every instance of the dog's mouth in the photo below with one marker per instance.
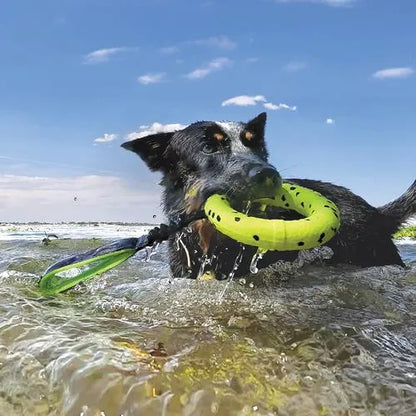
(243, 200)
(260, 182)
(248, 202)
(242, 197)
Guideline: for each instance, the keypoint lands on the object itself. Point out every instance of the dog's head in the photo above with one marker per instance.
(210, 157)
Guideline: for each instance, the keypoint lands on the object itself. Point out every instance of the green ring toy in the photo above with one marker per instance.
(322, 220)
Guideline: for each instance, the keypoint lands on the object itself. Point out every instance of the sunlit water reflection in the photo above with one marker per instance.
(327, 341)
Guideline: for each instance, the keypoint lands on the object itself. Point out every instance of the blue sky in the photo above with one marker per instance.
(337, 78)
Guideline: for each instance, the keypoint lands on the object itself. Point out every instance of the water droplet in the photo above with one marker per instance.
(257, 256)
(248, 206)
(180, 244)
(205, 261)
(178, 240)
(237, 263)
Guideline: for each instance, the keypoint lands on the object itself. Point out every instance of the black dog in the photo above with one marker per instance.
(231, 158)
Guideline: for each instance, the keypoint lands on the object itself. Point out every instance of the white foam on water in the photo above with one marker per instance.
(36, 232)
(405, 241)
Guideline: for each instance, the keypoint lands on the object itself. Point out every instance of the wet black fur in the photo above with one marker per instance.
(195, 164)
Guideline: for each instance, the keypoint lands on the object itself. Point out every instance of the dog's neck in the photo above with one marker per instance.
(180, 193)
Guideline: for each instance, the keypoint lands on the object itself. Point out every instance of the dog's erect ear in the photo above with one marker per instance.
(257, 124)
(151, 149)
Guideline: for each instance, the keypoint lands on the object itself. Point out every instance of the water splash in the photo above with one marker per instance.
(237, 261)
(150, 252)
(179, 244)
(258, 255)
(178, 240)
(206, 261)
(231, 275)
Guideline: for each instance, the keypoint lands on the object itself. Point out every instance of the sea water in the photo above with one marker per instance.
(324, 341)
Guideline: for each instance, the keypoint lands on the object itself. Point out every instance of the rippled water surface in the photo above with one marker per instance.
(321, 341)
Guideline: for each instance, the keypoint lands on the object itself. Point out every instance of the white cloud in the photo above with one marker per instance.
(105, 138)
(103, 55)
(170, 50)
(271, 106)
(99, 198)
(252, 60)
(294, 66)
(244, 100)
(281, 106)
(215, 65)
(400, 72)
(251, 100)
(335, 3)
(150, 78)
(330, 121)
(153, 129)
(220, 42)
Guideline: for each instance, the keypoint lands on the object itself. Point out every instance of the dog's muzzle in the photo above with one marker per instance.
(264, 180)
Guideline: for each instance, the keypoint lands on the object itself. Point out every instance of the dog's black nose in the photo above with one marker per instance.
(264, 176)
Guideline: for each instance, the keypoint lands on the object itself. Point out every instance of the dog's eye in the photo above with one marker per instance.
(249, 138)
(210, 148)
